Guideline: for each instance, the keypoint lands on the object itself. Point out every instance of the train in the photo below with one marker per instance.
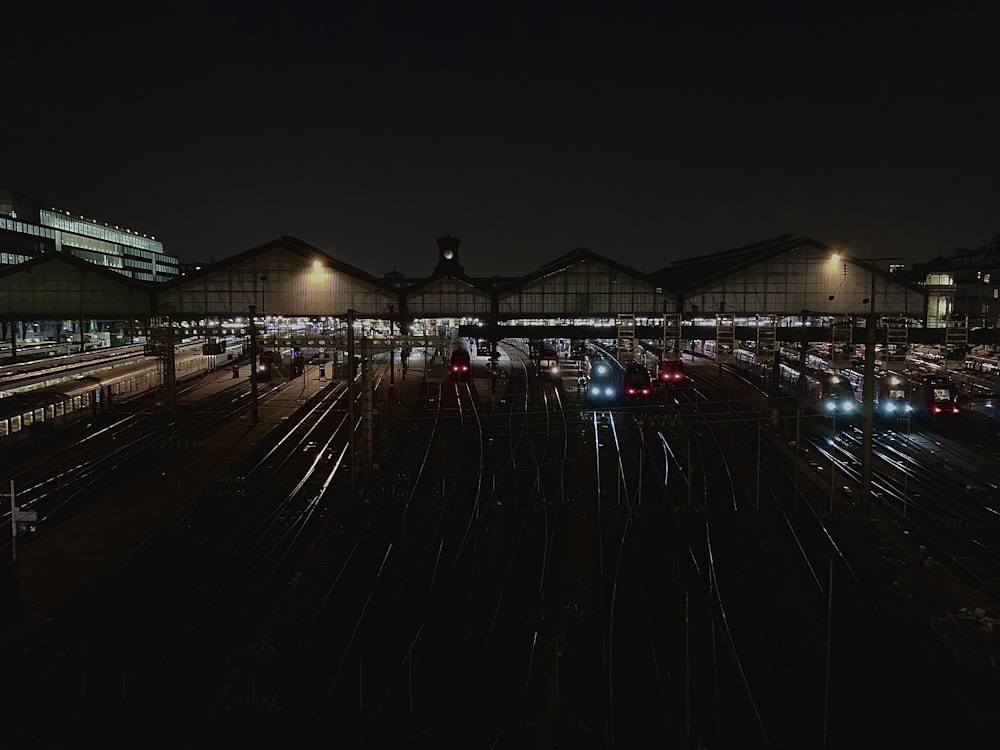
(547, 361)
(609, 382)
(636, 382)
(937, 395)
(41, 410)
(839, 393)
(460, 362)
(602, 378)
(670, 372)
(822, 390)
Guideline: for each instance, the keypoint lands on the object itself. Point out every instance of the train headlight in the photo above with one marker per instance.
(909, 408)
(830, 406)
(609, 391)
(555, 370)
(848, 406)
(890, 407)
(595, 391)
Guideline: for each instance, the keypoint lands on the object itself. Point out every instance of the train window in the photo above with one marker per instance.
(15, 423)
(4, 427)
(40, 414)
(60, 409)
(51, 411)
(27, 418)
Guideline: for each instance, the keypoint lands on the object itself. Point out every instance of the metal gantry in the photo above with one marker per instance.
(672, 344)
(725, 339)
(896, 340)
(842, 342)
(626, 337)
(956, 341)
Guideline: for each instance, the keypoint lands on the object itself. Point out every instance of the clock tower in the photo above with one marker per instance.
(448, 255)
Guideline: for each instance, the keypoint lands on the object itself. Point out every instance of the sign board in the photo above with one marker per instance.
(26, 521)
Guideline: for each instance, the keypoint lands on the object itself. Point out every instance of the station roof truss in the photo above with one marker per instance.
(583, 284)
(789, 276)
(60, 285)
(286, 275)
(448, 295)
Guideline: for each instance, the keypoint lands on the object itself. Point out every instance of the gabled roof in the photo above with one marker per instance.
(575, 257)
(689, 275)
(453, 272)
(58, 258)
(289, 244)
(683, 275)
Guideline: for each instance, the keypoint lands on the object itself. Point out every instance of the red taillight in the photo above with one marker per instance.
(937, 409)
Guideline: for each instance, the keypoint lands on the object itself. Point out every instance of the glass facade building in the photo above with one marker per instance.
(27, 230)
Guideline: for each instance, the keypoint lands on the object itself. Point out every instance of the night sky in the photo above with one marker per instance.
(644, 135)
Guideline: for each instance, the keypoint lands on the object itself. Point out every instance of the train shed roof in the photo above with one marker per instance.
(285, 243)
(60, 285)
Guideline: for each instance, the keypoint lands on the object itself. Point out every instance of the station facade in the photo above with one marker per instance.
(799, 286)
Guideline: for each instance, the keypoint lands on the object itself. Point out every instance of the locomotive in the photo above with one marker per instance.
(937, 395)
(636, 382)
(602, 381)
(547, 361)
(670, 372)
(460, 363)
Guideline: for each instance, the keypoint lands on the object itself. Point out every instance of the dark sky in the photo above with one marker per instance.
(645, 135)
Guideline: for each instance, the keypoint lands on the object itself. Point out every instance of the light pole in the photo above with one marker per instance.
(868, 394)
(253, 367)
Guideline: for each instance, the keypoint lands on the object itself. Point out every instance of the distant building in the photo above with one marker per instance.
(964, 283)
(977, 280)
(27, 230)
(939, 278)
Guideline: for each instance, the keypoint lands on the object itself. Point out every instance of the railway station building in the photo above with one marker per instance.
(798, 286)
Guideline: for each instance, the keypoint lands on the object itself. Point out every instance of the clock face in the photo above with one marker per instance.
(449, 254)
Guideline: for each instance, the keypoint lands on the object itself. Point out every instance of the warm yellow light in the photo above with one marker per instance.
(835, 258)
(317, 274)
